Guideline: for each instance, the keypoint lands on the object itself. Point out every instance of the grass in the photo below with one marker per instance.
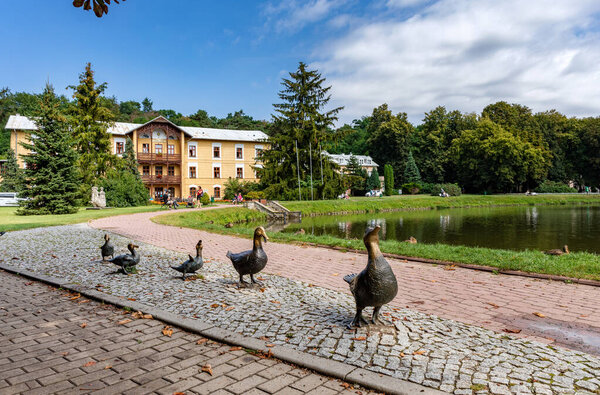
(423, 202)
(10, 221)
(577, 265)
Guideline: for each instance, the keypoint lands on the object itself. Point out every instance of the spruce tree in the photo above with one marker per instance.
(123, 185)
(50, 172)
(129, 161)
(301, 118)
(90, 122)
(13, 179)
(388, 181)
(411, 171)
(373, 182)
(353, 167)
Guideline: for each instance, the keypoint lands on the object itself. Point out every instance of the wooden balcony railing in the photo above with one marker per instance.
(156, 179)
(158, 158)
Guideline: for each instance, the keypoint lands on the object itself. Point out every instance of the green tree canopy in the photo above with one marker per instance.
(13, 179)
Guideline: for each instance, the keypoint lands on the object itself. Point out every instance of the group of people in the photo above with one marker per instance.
(237, 198)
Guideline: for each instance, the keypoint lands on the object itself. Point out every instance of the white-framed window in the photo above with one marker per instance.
(216, 170)
(217, 191)
(239, 151)
(193, 150)
(192, 170)
(239, 171)
(119, 146)
(216, 149)
(258, 149)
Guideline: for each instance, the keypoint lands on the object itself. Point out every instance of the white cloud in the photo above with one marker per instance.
(293, 15)
(467, 54)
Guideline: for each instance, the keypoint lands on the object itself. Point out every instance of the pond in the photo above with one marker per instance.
(513, 228)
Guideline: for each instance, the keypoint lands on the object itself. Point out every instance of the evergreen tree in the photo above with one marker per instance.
(373, 181)
(129, 162)
(13, 179)
(147, 105)
(301, 119)
(353, 167)
(90, 121)
(50, 171)
(411, 172)
(388, 180)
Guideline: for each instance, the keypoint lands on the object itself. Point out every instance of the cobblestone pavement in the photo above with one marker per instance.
(491, 301)
(439, 353)
(55, 342)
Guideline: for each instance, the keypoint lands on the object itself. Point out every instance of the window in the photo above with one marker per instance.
(146, 170)
(146, 148)
(216, 151)
(171, 170)
(258, 150)
(217, 172)
(158, 170)
(239, 151)
(239, 172)
(192, 151)
(217, 193)
(120, 147)
(192, 171)
(145, 136)
(158, 148)
(171, 149)
(193, 192)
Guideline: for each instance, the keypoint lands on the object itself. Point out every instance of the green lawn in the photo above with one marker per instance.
(576, 265)
(9, 221)
(420, 202)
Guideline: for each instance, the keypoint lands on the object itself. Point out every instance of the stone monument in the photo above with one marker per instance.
(98, 197)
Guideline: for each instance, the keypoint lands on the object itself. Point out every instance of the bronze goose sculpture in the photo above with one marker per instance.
(376, 285)
(127, 261)
(558, 251)
(192, 264)
(251, 261)
(108, 249)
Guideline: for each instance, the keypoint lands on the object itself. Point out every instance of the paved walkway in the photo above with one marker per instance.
(55, 342)
(497, 302)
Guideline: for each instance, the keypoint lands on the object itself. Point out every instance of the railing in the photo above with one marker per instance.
(154, 157)
(157, 179)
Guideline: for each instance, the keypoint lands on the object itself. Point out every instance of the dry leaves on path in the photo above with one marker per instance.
(167, 331)
(237, 348)
(88, 364)
(76, 297)
(420, 352)
(359, 338)
(201, 341)
(207, 368)
(83, 324)
(539, 315)
(450, 267)
(123, 322)
(508, 330)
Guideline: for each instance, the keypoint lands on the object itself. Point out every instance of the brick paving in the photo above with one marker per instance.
(56, 342)
(480, 298)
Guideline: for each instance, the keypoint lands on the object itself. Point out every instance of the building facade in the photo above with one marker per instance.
(171, 158)
(342, 160)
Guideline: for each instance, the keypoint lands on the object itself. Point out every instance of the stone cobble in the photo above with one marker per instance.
(82, 361)
(425, 349)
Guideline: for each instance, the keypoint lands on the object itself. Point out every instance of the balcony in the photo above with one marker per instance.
(158, 158)
(156, 179)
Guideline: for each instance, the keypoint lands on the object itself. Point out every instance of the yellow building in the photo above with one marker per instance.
(177, 159)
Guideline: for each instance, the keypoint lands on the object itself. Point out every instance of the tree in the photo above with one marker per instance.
(100, 6)
(129, 107)
(301, 119)
(355, 176)
(388, 139)
(129, 162)
(123, 184)
(13, 179)
(50, 171)
(147, 105)
(388, 180)
(411, 171)
(90, 122)
(351, 138)
(373, 181)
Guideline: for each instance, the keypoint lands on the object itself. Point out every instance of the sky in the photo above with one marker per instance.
(223, 56)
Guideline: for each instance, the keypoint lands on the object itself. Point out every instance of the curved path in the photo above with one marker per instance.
(571, 311)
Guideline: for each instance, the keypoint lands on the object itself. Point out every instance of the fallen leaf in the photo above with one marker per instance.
(132, 299)
(147, 317)
(402, 354)
(64, 354)
(494, 305)
(178, 393)
(215, 305)
(230, 308)
(508, 330)
(137, 315)
(84, 301)
(359, 338)
(270, 345)
(54, 256)
(207, 368)
(235, 348)
(76, 297)
(83, 324)
(107, 367)
(201, 341)
(450, 267)
(125, 321)
(539, 315)
(90, 363)
(420, 352)
(335, 274)
(29, 283)
(262, 289)
(417, 302)
(275, 301)
(167, 331)
(264, 338)
(347, 386)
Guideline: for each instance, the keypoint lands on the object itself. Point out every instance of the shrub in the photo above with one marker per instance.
(411, 187)
(428, 188)
(451, 189)
(255, 195)
(388, 174)
(205, 199)
(124, 189)
(554, 187)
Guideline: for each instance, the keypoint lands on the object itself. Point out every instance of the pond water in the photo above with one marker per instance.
(514, 228)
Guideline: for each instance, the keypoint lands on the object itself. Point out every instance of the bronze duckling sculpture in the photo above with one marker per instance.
(251, 261)
(108, 249)
(376, 285)
(192, 264)
(127, 261)
(558, 251)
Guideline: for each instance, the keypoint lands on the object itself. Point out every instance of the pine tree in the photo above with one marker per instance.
(50, 171)
(301, 119)
(13, 179)
(373, 182)
(411, 171)
(90, 121)
(388, 180)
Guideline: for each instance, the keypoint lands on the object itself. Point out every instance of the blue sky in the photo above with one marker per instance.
(222, 56)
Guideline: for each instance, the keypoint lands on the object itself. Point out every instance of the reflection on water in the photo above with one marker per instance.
(516, 228)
